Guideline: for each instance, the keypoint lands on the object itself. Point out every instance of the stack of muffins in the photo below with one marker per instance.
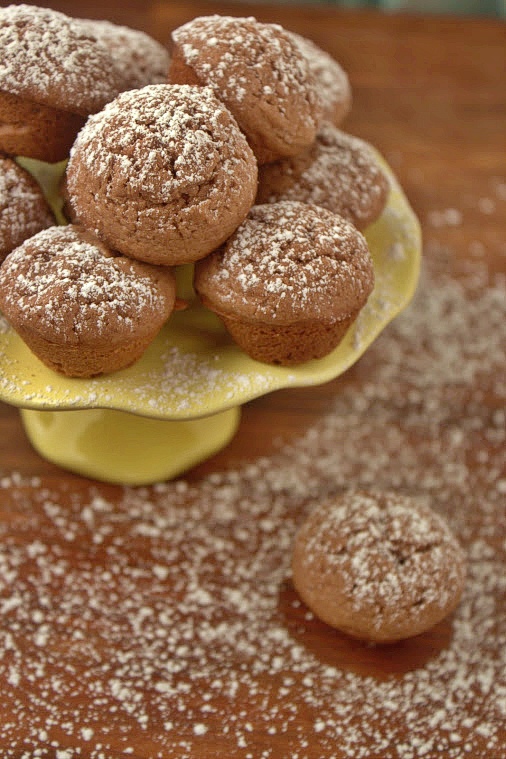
(227, 155)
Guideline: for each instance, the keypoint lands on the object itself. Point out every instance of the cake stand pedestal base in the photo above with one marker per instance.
(123, 448)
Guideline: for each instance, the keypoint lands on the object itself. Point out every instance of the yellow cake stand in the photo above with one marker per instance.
(180, 403)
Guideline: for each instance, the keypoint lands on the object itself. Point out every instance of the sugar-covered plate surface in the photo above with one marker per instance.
(193, 368)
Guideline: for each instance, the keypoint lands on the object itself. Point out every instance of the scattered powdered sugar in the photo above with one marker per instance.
(487, 205)
(166, 614)
(449, 217)
(456, 354)
(397, 252)
(192, 380)
(182, 382)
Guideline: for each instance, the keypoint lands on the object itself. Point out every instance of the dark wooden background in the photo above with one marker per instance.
(430, 94)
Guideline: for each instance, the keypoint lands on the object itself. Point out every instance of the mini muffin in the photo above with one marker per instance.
(162, 174)
(260, 74)
(378, 566)
(81, 308)
(289, 282)
(52, 75)
(339, 172)
(141, 60)
(24, 210)
(331, 79)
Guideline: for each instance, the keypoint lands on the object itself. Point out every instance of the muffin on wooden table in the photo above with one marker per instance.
(379, 566)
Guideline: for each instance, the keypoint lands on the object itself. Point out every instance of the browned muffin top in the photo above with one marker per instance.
(164, 143)
(71, 287)
(289, 261)
(379, 565)
(162, 172)
(140, 58)
(48, 58)
(23, 208)
(259, 72)
(331, 79)
(339, 172)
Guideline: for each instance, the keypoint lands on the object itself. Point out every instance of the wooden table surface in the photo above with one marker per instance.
(161, 621)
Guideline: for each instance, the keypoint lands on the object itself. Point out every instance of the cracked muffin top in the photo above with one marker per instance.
(162, 174)
(378, 565)
(49, 58)
(260, 74)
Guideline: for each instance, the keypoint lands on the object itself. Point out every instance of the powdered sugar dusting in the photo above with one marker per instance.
(246, 47)
(70, 288)
(380, 564)
(191, 379)
(198, 625)
(167, 141)
(140, 59)
(332, 80)
(48, 57)
(260, 74)
(290, 260)
(339, 172)
(23, 210)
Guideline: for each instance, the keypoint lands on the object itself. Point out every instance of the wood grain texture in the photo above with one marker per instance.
(429, 94)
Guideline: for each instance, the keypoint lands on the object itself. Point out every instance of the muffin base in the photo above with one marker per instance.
(287, 344)
(35, 130)
(84, 361)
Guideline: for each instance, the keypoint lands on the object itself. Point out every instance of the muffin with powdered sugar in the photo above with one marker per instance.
(289, 282)
(24, 210)
(261, 75)
(53, 74)
(162, 174)
(332, 81)
(379, 566)
(339, 171)
(82, 308)
(140, 59)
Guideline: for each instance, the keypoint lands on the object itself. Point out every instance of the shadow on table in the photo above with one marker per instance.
(334, 649)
